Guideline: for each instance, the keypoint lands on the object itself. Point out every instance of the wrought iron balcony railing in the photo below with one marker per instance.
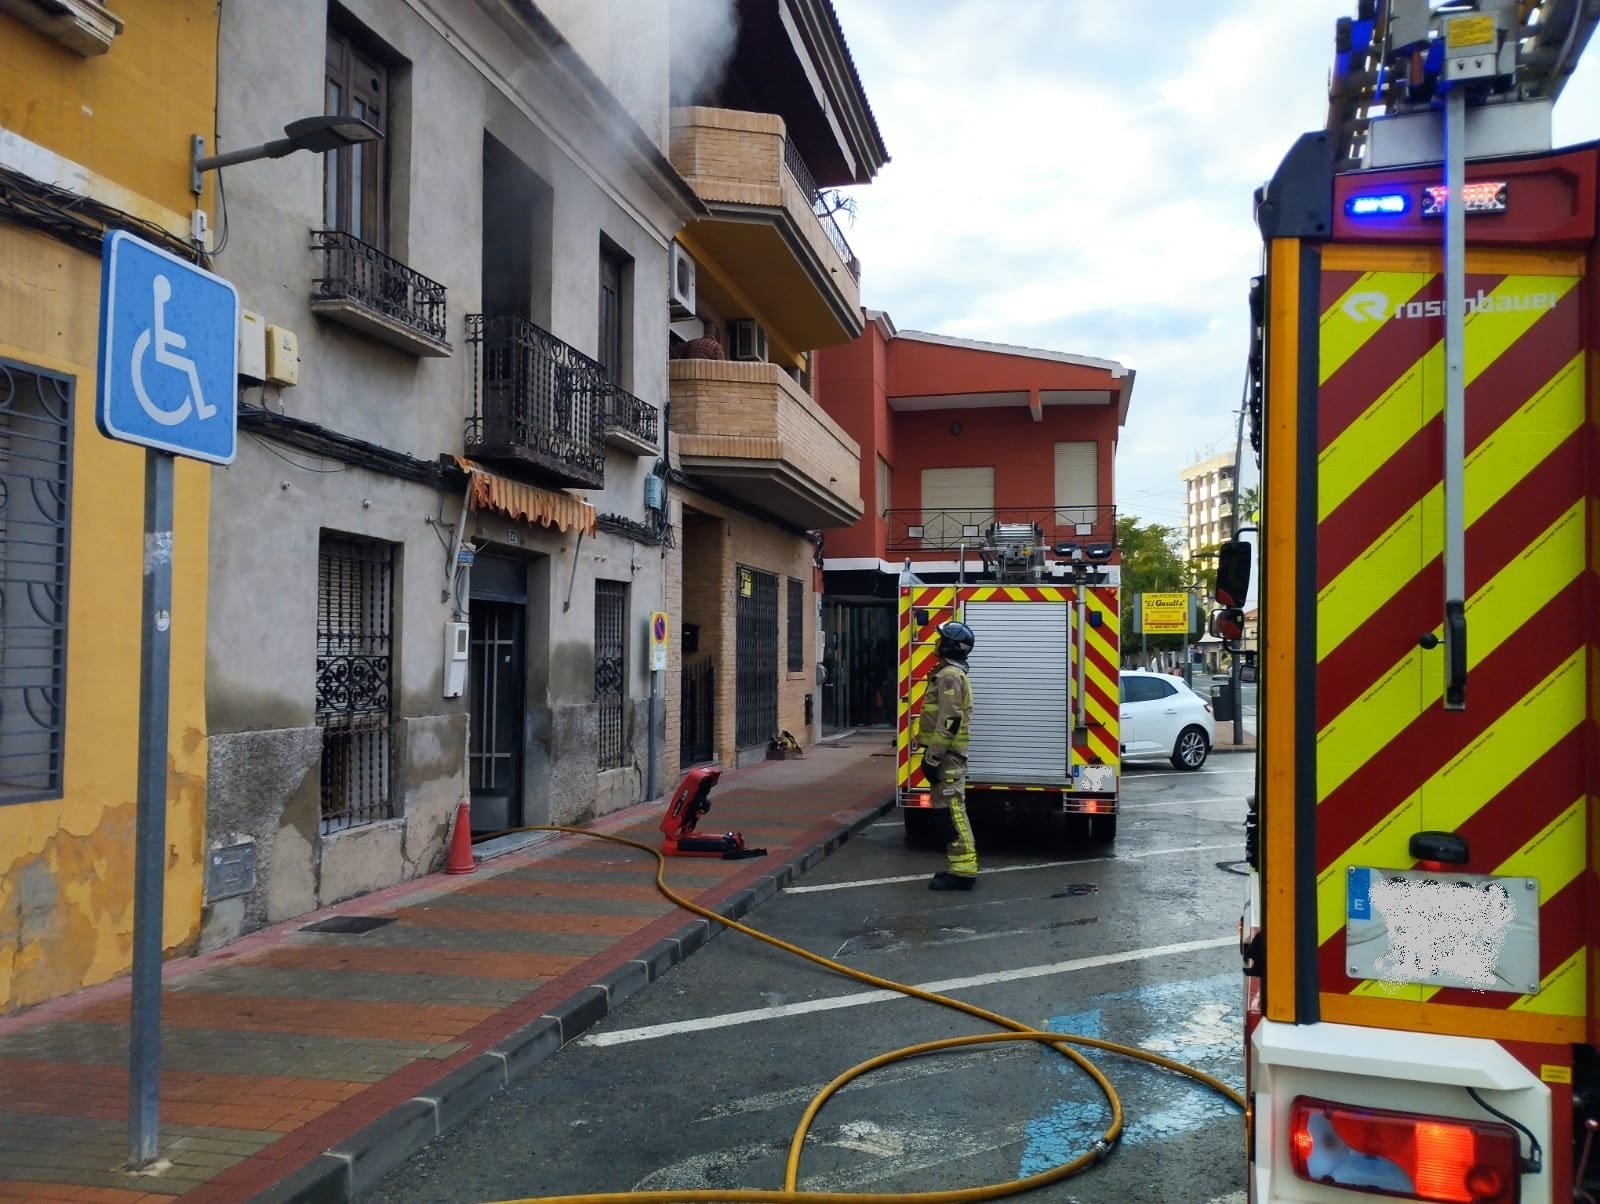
(536, 401)
(360, 274)
(629, 422)
(830, 225)
(947, 530)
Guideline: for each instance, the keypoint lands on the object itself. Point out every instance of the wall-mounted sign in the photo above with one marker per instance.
(658, 641)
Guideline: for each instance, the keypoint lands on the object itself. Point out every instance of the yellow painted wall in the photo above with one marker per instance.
(66, 866)
(127, 114)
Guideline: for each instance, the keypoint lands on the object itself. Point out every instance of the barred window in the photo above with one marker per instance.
(355, 612)
(797, 626)
(35, 450)
(610, 670)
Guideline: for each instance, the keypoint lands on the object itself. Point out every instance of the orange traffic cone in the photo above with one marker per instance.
(461, 861)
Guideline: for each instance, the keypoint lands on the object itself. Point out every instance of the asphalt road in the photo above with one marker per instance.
(699, 1080)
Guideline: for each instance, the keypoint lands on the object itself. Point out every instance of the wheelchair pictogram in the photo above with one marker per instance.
(167, 345)
(168, 363)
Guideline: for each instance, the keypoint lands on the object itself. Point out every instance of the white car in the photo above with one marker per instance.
(1162, 717)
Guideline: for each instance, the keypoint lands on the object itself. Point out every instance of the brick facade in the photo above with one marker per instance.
(713, 540)
(755, 411)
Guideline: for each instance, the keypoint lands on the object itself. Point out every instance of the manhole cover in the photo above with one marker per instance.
(1076, 889)
(348, 924)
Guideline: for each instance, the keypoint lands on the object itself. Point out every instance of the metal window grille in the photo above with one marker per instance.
(355, 612)
(796, 630)
(756, 657)
(610, 679)
(697, 703)
(35, 459)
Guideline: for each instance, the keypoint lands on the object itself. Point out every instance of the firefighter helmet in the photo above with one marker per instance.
(955, 642)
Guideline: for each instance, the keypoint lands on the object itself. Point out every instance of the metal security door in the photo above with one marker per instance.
(494, 750)
(756, 657)
(1020, 672)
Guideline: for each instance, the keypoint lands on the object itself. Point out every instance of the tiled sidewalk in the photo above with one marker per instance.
(302, 1065)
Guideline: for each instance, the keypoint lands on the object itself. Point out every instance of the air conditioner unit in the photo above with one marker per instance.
(680, 290)
(749, 340)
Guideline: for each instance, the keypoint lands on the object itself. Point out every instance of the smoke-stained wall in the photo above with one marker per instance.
(266, 747)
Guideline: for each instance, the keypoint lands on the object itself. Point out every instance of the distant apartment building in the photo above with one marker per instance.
(959, 439)
(1208, 502)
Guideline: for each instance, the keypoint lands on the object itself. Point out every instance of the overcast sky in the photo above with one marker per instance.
(1078, 177)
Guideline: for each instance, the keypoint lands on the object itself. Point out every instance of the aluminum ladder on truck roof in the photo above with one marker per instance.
(1363, 85)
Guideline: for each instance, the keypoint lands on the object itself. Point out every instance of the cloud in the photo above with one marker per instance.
(1080, 178)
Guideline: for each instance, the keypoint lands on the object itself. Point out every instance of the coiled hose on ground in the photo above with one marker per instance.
(1015, 1031)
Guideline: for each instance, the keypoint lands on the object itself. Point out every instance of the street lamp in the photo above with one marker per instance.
(315, 134)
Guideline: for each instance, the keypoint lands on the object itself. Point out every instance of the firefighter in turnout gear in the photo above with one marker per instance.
(944, 728)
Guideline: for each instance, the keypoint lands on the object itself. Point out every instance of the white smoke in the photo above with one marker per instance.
(703, 35)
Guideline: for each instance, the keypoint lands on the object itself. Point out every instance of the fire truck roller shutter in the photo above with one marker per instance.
(1021, 693)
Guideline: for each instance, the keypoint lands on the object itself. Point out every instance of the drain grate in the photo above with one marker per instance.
(348, 924)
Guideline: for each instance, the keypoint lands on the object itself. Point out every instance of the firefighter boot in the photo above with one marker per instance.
(945, 881)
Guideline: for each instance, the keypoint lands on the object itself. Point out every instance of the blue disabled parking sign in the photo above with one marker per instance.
(169, 352)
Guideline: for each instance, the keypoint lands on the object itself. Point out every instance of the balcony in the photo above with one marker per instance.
(536, 402)
(750, 431)
(764, 231)
(947, 530)
(362, 288)
(629, 424)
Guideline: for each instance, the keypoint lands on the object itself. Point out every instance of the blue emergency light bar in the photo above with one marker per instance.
(1387, 204)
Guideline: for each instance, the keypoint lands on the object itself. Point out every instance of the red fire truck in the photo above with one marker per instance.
(1419, 938)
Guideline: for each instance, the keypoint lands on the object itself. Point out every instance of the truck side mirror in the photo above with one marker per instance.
(1227, 625)
(1233, 573)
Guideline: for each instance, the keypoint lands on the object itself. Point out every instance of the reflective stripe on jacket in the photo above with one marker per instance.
(946, 719)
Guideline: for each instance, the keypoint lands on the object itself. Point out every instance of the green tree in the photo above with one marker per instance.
(1151, 563)
(1249, 503)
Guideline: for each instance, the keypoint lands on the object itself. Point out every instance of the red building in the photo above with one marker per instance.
(963, 444)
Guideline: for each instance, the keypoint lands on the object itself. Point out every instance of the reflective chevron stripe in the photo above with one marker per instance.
(1102, 646)
(1508, 773)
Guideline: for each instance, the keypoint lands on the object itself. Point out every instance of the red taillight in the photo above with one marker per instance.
(1402, 1154)
(1094, 806)
(919, 800)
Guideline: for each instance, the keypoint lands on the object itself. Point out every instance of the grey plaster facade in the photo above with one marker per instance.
(588, 119)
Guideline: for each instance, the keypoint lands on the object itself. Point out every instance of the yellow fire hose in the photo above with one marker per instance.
(1017, 1031)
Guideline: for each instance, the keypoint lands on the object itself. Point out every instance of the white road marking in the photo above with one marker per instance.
(1183, 802)
(1004, 869)
(1129, 779)
(891, 1075)
(650, 1032)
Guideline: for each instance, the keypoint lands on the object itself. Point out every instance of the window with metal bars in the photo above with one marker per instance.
(35, 450)
(355, 659)
(610, 670)
(797, 626)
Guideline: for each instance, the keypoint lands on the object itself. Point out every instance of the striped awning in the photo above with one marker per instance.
(514, 499)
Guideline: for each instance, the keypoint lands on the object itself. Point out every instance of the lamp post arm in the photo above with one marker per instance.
(276, 149)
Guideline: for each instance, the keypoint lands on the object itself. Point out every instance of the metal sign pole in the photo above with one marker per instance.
(150, 832)
(1455, 454)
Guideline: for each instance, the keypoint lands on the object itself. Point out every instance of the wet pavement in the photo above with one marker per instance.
(699, 1080)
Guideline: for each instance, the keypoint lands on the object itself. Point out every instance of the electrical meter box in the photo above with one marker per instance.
(457, 637)
(283, 356)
